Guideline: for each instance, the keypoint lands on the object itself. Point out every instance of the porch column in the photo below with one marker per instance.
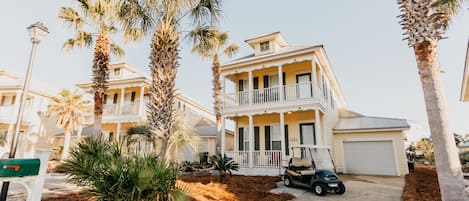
(236, 138)
(118, 132)
(317, 126)
(121, 102)
(16, 107)
(280, 83)
(314, 77)
(251, 141)
(223, 90)
(223, 135)
(250, 87)
(9, 134)
(282, 136)
(141, 104)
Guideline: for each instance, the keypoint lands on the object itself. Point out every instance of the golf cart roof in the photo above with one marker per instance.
(310, 146)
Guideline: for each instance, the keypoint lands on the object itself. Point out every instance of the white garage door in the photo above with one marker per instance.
(369, 157)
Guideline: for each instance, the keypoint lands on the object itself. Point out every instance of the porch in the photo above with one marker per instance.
(262, 142)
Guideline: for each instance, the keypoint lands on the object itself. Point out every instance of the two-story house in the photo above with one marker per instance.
(284, 95)
(11, 88)
(125, 106)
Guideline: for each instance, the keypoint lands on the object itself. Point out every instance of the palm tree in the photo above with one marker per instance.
(94, 21)
(209, 42)
(424, 22)
(182, 136)
(164, 20)
(69, 107)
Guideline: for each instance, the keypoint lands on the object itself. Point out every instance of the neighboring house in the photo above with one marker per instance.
(125, 106)
(11, 88)
(284, 95)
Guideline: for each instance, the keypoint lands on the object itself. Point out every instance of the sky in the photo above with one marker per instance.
(376, 70)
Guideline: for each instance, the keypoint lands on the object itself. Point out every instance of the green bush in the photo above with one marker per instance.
(108, 174)
(223, 164)
(464, 157)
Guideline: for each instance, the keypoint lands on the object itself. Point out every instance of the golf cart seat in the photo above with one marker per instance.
(302, 166)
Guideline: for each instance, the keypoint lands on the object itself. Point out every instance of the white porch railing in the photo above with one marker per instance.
(6, 110)
(130, 109)
(291, 92)
(261, 159)
(109, 109)
(267, 95)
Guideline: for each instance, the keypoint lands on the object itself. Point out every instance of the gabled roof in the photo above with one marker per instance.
(275, 36)
(284, 50)
(350, 121)
(16, 81)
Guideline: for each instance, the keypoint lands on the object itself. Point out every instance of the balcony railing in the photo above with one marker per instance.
(130, 109)
(110, 109)
(291, 92)
(261, 159)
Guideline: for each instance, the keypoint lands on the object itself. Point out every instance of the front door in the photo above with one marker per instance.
(304, 86)
(307, 134)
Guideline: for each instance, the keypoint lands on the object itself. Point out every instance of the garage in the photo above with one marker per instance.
(370, 145)
(369, 157)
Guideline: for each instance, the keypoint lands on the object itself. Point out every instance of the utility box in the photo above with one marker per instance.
(19, 167)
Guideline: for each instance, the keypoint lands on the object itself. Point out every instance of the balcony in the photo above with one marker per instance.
(110, 109)
(293, 92)
(6, 113)
(130, 109)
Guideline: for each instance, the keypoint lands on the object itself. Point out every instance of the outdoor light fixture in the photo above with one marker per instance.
(37, 32)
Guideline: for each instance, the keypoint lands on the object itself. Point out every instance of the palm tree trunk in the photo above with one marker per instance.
(67, 136)
(448, 166)
(100, 77)
(218, 100)
(164, 63)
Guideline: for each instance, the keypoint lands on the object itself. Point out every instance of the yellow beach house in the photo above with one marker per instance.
(125, 106)
(11, 88)
(284, 95)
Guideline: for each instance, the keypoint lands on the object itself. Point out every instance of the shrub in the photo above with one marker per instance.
(464, 157)
(108, 174)
(223, 164)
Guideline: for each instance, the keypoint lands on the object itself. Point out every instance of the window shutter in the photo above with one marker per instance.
(267, 137)
(266, 81)
(240, 85)
(283, 79)
(105, 99)
(115, 98)
(132, 96)
(255, 82)
(256, 138)
(13, 99)
(240, 139)
(287, 150)
(3, 100)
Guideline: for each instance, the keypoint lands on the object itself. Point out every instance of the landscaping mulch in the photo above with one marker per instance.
(65, 197)
(421, 185)
(235, 188)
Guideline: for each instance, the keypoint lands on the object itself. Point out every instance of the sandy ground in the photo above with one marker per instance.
(359, 188)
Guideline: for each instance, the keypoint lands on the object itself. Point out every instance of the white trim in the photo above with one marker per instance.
(369, 130)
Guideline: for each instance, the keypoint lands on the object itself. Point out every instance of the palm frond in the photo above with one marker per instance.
(82, 39)
(71, 18)
(117, 50)
(206, 11)
(231, 50)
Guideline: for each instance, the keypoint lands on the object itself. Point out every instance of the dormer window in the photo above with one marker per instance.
(117, 72)
(265, 46)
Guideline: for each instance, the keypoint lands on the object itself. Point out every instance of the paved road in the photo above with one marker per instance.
(359, 188)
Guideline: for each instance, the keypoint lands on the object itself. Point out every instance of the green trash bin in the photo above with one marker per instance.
(13, 167)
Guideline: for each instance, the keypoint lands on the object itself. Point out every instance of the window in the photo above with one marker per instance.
(132, 96)
(117, 72)
(8, 100)
(272, 137)
(265, 46)
(115, 99)
(105, 99)
(243, 139)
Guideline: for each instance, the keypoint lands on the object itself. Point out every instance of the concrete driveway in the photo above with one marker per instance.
(358, 188)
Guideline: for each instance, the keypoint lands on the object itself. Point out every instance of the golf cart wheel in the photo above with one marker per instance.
(287, 181)
(341, 189)
(320, 189)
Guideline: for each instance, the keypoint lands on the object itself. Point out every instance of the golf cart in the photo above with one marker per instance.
(312, 167)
